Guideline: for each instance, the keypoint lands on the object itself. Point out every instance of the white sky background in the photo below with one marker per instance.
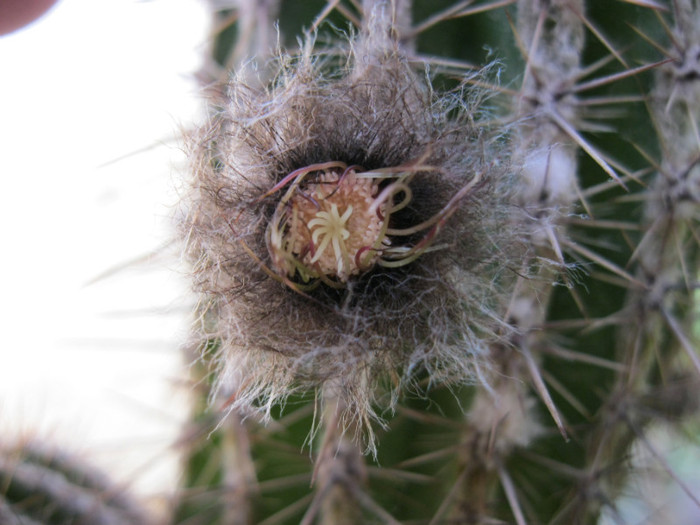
(94, 367)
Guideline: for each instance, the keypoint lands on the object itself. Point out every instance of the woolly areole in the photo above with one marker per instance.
(346, 230)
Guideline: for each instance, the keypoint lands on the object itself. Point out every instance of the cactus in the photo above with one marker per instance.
(42, 486)
(447, 255)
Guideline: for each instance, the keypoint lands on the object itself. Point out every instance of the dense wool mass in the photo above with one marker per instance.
(425, 295)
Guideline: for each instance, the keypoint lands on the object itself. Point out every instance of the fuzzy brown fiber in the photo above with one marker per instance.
(437, 314)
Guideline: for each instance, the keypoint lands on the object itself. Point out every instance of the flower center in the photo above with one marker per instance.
(325, 228)
(334, 222)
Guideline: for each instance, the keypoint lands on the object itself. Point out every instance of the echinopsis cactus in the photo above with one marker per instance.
(42, 486)
(359, 236)
(348, 231)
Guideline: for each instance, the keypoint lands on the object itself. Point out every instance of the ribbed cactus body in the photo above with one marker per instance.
(50, 488)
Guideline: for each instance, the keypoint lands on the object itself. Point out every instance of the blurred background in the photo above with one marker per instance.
(93, 101)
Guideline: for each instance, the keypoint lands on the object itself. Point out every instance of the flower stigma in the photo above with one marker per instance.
(332, 226)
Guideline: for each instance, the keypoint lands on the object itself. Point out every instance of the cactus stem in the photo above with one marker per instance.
(339, 473)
